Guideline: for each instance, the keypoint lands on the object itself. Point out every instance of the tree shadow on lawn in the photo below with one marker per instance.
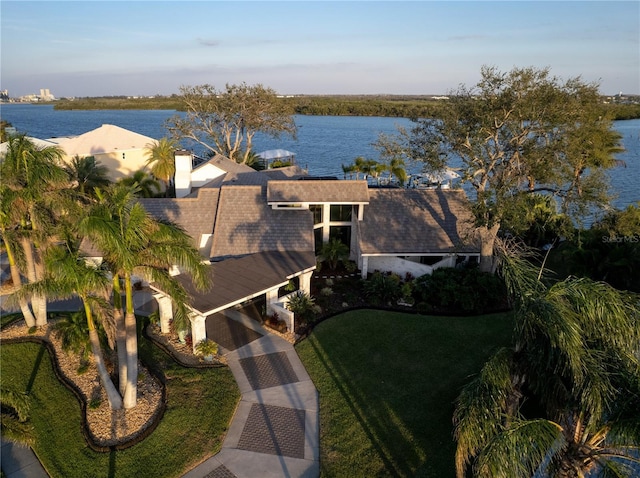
(398, 384)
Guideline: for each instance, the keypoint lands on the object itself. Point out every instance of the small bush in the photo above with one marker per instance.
(382, 288)
(461, 290)
(302, 305)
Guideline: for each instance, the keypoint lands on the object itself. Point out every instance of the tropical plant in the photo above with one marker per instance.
(73, 332)
(86, 174)
(133, 242)
(33, 201)
(563, 401)
(161, 158)
(15, 409)
(68, 275)
(383, 288)
(142, 183)
(333, 252)
(302, 305)
(206, 347)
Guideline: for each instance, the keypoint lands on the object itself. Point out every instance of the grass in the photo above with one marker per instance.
(387, 384)
(201, 403)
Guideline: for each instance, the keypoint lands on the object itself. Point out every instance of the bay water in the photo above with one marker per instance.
(323, 144)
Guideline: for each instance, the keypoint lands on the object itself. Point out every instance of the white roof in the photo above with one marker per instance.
(105, 139)
(40, 143)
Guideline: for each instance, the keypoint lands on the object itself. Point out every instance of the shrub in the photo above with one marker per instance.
(466, 289)
(302, 305)
(206, 347)
(382, 288)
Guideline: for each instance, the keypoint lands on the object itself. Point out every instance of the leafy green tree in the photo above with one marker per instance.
(226, 121)
(134, 243)
(143, 183)
(518, 133)
(563, 401)
(161, 159)
(33, 200)
(15, 409)
(86, 174)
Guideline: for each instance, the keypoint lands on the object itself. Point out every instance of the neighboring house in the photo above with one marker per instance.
(122, 151)
(262, 229)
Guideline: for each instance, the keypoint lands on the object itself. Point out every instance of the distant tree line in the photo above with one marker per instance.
(397, 106)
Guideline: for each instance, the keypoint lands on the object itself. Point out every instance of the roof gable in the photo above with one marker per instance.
(105, 139)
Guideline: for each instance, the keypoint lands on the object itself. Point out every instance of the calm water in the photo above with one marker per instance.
(324, 143)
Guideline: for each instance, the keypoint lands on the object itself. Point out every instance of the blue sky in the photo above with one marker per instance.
(94, 48)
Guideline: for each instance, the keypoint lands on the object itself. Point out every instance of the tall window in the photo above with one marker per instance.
(340, 213)
(316, 210)
(342, 233)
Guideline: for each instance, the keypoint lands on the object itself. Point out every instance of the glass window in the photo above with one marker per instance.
(316, 209)
(340, 212)
(317, 234)
(342, 233)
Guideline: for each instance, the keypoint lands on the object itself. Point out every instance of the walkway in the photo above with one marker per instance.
(275, 430)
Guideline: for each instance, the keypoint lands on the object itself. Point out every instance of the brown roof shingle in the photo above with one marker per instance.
(195, 215)
(310, 191)
(246, 224)
(413, 221)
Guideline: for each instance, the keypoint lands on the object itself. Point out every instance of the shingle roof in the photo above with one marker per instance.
(105, 139)
(412, 221)
(237, 279)
(310, 191)
(245, 224)
(196, 215)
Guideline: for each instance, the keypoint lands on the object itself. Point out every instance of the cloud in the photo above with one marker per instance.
(208, 43)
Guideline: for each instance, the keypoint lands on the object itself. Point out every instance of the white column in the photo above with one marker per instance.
(165, 311)
(305, 282)
(198, 329)
(271, 298)
(364, 266)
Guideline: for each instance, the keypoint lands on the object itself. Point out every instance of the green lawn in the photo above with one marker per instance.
(387, 383)
(201, 403)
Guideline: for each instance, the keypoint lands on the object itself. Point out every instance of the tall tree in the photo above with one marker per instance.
(69, 275)
(225, 121)
(86, 174)
(34, 183)
(563, 401)
(517, 133)
(143, 183)
(161, 158)
(134, 243)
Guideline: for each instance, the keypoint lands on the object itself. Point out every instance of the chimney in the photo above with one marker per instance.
(184, 165)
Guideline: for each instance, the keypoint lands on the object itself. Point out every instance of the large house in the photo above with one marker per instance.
(260, 230)
(123, 152)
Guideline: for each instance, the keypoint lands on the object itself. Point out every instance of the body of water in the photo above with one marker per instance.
(323, 145)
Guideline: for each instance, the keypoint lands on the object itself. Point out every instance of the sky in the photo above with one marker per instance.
(105, 48)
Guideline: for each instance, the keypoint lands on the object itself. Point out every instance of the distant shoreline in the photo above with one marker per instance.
(395, 106)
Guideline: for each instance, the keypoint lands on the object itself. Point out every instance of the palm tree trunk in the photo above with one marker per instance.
(27, 245)
(131, 390)
(40, 307)
(17, 282)
(115, 401)
(121, 335)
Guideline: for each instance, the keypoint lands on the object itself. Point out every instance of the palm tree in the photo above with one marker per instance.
(143, 183)
(86, 174)
(15, 409)
(33, 184)
(133, 242)
(333, 252)
(563, 401)
(161, 157)
(396, 167)
(69, 275)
